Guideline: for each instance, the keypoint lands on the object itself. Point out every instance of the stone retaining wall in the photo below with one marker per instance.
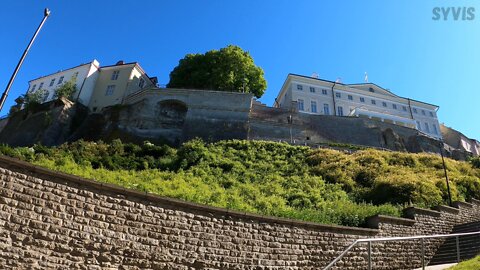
(50, 220)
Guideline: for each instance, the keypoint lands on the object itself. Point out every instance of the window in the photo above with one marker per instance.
(404, 108)
(350, 97)
(326, 109)
(435, 131)
(394, 106)
(41, 86)
(141, 83)
(427, 128)
(415, 110)
(314, 106)
(60, 80)
(384, 104)
(312, 89)
(431, 114)
(340, 111)
(362, 99)
(419, 127)
(338, 95)
(423, 112)
(110, 90)
(299, 87)
(33, 88)
(75, 75)
(115, 75)
(371, 90)
(300, 105)
(52, 82)
(324, 91)
(374, 102)
(45, 96)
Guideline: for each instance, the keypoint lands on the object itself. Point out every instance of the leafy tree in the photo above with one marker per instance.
(66, 90)
(31, 100)
(228, 69)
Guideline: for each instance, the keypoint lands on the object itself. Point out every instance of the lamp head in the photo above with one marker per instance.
(46, 13)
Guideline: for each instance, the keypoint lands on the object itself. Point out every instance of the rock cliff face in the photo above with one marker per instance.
(177, 115)
(50, 220)
(461, 145)
(49, 124)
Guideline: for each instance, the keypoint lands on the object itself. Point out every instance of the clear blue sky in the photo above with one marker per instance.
(395, 41)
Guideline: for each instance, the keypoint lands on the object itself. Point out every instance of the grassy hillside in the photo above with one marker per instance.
(268, 178)
(473, 264)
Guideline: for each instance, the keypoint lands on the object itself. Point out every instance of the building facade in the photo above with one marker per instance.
(84, 76)
(97, 87)
(316, 96)
(116, 82)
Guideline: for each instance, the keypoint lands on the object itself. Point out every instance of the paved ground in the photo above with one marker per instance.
(438, 267)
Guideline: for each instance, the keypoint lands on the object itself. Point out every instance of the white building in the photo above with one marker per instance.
(84, 76)
(97, 87)
(315, 96)
(117, 81)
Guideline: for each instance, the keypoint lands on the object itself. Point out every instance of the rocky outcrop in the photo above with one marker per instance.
(49, 124)
(461, 144)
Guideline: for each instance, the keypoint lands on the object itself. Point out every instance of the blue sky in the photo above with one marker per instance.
(397, 42)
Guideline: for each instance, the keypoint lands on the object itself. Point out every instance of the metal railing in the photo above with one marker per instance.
(389, 239)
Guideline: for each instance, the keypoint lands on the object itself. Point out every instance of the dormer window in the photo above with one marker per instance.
(371, 90)
(115, 75)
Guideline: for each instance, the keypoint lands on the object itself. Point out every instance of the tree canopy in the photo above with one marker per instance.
(228, 69)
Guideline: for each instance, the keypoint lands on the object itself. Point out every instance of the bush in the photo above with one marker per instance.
(267, 178)
(66, 90)
(475, 162)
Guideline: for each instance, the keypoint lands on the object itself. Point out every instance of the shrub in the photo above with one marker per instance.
(267, 178)
(475, 162)
(66, 89)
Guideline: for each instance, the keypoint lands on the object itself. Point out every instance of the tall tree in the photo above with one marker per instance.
(228, 69)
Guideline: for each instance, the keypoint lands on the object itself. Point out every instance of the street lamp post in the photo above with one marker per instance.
(46, 13)
(446, 175)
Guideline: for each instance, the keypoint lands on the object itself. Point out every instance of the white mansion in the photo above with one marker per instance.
(97, 87)
(315, 96)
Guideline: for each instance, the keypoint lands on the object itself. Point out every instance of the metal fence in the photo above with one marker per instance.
(369, 242)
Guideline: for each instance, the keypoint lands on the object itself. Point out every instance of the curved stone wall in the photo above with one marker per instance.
(50, 220)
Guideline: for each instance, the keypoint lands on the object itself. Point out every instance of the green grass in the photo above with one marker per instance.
(267, 178)
(473, 264)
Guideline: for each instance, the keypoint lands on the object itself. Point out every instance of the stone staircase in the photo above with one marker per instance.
(469, 245)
